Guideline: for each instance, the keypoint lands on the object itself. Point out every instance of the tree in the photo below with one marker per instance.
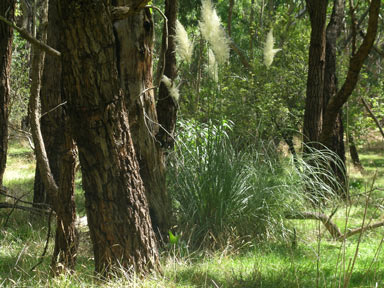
(313, 115)
(117, 209)
(322, 120)
(61, 191)
(166, 105)
(358, 57)
(135, 74)
(331, 86)
(7, 8)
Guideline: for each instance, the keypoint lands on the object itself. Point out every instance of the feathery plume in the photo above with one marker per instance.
(184, 46)
(172, 89)
(212, 31)
(212, 66)
(269, 52)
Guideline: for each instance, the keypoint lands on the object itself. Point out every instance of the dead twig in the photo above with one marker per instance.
(46, 242)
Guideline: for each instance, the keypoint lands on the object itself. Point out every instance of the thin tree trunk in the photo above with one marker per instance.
(354, 153)
(117, 209)
(230, 12)
(166, 105)
(135, 71)
(7, 8)
(313, 114)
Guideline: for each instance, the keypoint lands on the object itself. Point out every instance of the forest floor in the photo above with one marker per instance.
(310, 259)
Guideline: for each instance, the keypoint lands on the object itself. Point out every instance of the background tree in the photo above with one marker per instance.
(7, 8)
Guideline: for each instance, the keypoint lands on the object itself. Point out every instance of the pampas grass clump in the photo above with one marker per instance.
(184, 46)
(212, 31)
(269, 52)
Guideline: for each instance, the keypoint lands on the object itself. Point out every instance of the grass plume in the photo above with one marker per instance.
(184, 46)
(210, 27)
(269, 52)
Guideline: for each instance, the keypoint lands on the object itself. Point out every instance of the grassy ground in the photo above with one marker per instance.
(311, 259)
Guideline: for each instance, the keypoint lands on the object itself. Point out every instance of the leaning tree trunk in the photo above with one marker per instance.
(117, 209)
(315, 82)
(135, 71)
(330, 90)
(7, 9)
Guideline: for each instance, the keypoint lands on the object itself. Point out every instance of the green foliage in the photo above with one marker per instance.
(219, 190)
(19, 80)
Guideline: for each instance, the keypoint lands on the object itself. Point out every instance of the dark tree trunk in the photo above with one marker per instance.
(60, 150)
(356, 62)
(354, 154)
(117, 209)
(135, 71)
(330, 90)
(230, 12)
(166, 105)
(7, 9)
(313, 115)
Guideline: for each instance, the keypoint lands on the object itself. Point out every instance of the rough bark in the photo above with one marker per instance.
(60, 150)
(313, 114)
(63, 186)
(134, 43)
(166, 105)
(7, 8)
(331, 87)
(357, 60)
(117, 209)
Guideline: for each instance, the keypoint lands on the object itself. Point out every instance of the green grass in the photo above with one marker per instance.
(267, 264)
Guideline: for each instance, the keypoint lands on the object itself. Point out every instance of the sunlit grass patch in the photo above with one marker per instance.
(20, 171)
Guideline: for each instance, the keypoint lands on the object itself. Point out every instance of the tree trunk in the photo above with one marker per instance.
(354, 154)
(66, 237)
(166, 105)
(330, 90)
(117, 209)
(313, 114)
(7, 9)
(230, 12)
(61, 151)
(356, 62)
(52, 122)
(135, 72)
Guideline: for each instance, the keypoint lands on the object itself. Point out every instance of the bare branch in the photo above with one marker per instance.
(372, 116)
(31, 39)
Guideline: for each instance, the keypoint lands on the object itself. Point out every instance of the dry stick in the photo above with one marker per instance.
(46, 242)
(372, 115)
(13, 208)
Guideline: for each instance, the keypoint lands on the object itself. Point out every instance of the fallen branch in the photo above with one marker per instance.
(332, 227)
